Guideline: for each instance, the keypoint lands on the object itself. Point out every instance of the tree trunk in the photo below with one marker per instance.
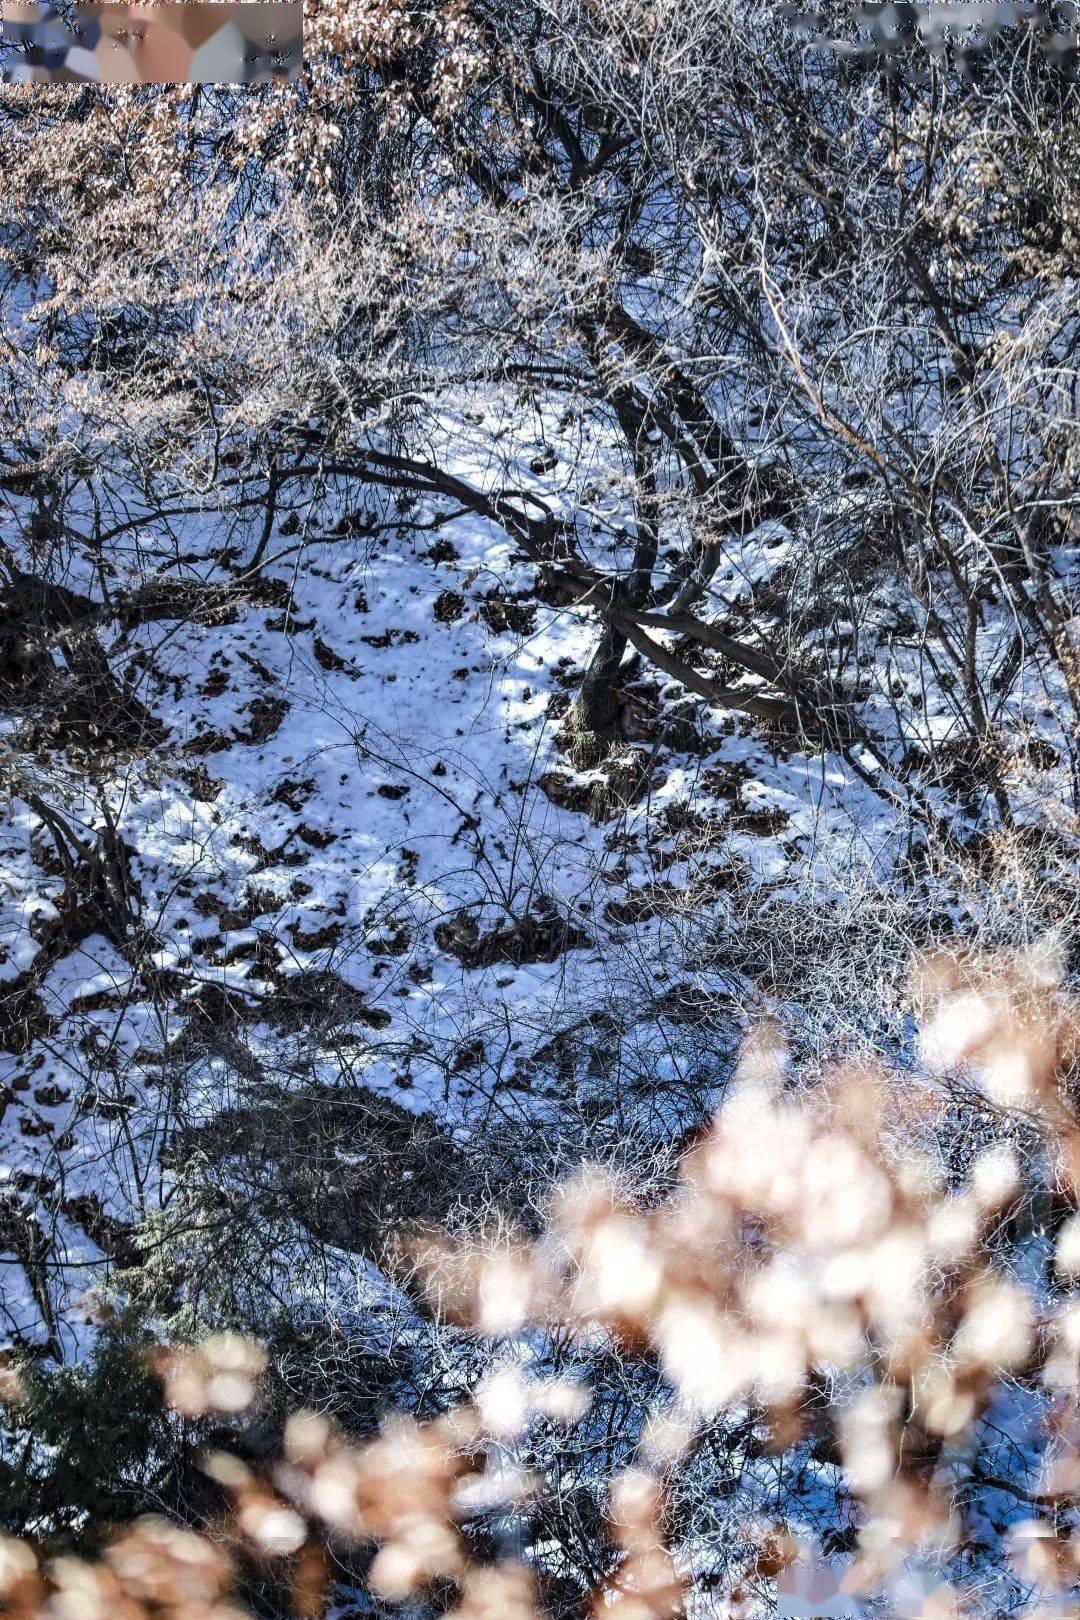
(595, 717)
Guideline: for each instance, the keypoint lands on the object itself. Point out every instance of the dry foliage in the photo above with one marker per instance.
(806, 1246)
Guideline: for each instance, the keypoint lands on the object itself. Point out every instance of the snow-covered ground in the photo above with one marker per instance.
(359, 857)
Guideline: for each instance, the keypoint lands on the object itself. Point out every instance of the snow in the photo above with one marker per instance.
(354, 768)
(342, 775)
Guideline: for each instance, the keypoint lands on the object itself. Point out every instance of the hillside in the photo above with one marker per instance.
(539, 694)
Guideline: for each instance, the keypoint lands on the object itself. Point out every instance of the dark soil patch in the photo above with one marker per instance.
(449, 607)
(537, 938)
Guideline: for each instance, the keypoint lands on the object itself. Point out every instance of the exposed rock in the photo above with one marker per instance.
(566, 790)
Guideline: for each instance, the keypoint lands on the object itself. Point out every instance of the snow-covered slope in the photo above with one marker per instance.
(356, 853)
(337, 842)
